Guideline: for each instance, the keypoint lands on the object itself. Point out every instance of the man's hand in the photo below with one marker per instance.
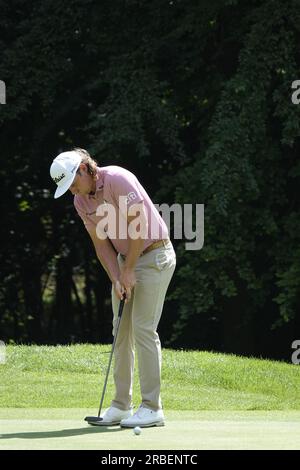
(119, 289)
(127, 281)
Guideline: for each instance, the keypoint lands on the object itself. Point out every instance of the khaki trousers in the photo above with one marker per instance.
(137, 330)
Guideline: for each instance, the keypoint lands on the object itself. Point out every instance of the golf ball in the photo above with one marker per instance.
(137, 430)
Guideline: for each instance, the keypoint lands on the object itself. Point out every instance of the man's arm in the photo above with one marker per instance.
(136, 245)
(108, 258)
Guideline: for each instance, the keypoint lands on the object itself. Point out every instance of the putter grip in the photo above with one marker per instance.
(121, 306)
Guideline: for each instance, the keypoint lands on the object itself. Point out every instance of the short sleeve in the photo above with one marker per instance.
(125, 185)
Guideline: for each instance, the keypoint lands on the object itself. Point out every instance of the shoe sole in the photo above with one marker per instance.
(104, 423)
(98, 421)
(150, 425)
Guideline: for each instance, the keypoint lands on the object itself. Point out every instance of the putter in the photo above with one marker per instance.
(96, 420)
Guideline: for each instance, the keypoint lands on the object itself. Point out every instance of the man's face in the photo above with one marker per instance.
(83, 183)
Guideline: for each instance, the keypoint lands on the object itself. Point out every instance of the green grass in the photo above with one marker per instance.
(73, 376)
(58, 429)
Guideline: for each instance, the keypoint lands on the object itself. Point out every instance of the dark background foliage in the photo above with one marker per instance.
(194, 97)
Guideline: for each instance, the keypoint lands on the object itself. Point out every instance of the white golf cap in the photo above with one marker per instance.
(63, 171)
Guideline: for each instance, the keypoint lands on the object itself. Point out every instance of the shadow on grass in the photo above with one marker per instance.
(62, 433)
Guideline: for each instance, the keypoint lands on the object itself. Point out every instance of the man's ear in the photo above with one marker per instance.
(82, 167)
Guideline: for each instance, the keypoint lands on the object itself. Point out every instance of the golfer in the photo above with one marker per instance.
(132, 243)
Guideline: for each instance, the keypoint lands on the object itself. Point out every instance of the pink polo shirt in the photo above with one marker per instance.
(113, 182)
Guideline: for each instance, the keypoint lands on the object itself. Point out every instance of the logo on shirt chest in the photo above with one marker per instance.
(94, 212)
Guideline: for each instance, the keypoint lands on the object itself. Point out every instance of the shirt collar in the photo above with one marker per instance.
(99, 180)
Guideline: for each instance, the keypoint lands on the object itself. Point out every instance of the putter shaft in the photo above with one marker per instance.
(121, 306)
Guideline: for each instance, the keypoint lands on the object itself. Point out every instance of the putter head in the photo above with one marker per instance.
(94, 420)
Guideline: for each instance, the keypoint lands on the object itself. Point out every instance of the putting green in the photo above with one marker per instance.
(65, 429)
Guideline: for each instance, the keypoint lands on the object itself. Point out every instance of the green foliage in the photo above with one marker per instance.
(244, 178)
(195, 98)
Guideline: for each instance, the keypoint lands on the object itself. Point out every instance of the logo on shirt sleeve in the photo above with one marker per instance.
(130, 197)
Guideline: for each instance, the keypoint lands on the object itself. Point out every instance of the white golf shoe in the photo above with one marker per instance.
(114, 416)
(144, 418)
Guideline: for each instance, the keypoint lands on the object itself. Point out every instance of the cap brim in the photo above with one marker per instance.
(60, 190)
